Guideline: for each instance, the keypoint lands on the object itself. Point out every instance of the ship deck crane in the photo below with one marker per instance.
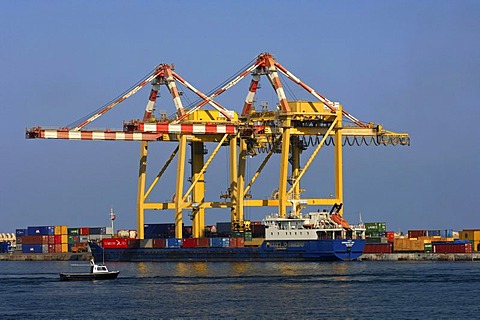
(288, 131)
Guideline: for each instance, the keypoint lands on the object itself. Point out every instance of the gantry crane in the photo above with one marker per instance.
(292, 128)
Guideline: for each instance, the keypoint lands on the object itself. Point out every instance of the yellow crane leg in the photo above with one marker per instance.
(198, 192)
(282, 187)
(338, 158)
(182, 146)
(233, 178)
(295, 161)
(242, 159)
(142, 175)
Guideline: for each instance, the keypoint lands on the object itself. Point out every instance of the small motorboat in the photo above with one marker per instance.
(97, 272)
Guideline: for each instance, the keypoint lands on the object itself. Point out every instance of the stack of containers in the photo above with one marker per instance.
(375, 232)
(60, 240)
(376, 240)
(19, 233)
(472, 235)
(73, 238)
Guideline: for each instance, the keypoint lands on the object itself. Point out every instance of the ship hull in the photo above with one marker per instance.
(291, 250)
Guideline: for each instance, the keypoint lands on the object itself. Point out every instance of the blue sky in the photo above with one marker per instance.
(410, 66)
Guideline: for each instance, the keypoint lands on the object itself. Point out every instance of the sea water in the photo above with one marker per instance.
(250, 290)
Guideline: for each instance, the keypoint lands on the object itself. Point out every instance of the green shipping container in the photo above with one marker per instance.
(376, 226)
(428, 247)
(248, 236)
(236, 234)
(73, 231)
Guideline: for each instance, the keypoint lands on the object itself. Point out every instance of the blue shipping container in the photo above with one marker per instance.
(448, 233)
(32, 248)
(41, 231)
(21, 232)
(220, 242)
(433, 233)
(173, 243)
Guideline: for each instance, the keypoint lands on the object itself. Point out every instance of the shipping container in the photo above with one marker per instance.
(32, 248)
(58, 230)
(51, 248)
(236, 234)
(428, 247)
(189, 243)
(158, 243)
(460, 246)
(375, 226)
(376, 240)
(51, 239)
(390, 236)
(432, 233)
(41, 230)
(20, 233)
(469, 234)
(448, 233)
(32, 239)
(146, 243)
(61, 238)
(417, 233)
(45, 248)
(73, 239)
(409, 245)
(115, 243)
(378, 248)
(84, 231)
(173, 243)
(220, 242)
(237, 242)
(98, 230)
(73, 231)
(61, 248)
(248, 236)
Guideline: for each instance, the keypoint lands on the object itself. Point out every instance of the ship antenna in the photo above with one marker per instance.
(360, 218)
(112, 218)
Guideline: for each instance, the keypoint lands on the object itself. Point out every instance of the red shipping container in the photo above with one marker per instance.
(133, 243)
(32, 239)
(158, 243)
(58, 239)
(84, 231)
(51, 248)
(416, 233)
(452, 247)
(203, 242)
(58, 248)
(378, 248)
(189, 242)
(115, 243)
(390, 236)
(51, 239)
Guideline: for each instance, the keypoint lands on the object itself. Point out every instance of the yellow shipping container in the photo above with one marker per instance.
(64, 247)
(64, 239)
(476, 246)
(60, 230)
(469, 234)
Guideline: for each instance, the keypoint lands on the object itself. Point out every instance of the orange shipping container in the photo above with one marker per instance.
(409, 245)
(237, 242)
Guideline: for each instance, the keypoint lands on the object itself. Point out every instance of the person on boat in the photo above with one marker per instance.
(92, 263)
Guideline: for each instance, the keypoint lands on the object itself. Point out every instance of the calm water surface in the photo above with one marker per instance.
(358, 290)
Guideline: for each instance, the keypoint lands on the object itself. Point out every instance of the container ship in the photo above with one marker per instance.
(317, 236)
